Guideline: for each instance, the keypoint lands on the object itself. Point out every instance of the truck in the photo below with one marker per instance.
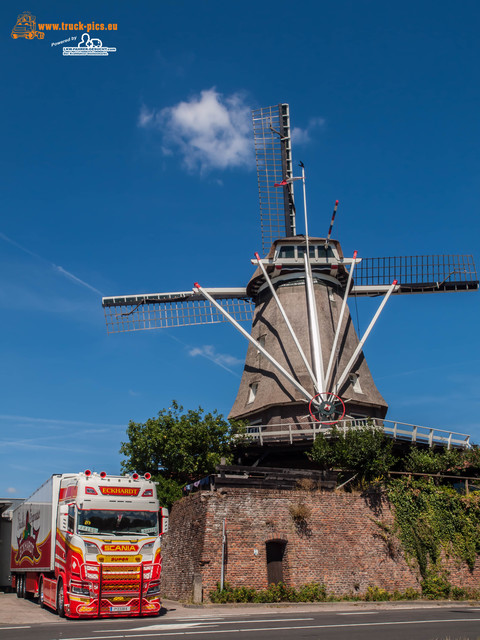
(88, 545)
(26, 27)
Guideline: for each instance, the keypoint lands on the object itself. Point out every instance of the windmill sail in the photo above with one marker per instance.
(177, 309)
(416, 274)
(273, 152)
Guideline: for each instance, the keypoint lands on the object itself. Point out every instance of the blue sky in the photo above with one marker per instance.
(106, 192)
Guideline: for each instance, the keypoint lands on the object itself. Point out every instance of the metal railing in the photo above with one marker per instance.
(295, 432)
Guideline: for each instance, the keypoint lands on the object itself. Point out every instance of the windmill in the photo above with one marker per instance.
(304, 361)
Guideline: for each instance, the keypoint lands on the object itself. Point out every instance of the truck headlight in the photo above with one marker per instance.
(153, 589)
(81, 589)
(91, 548)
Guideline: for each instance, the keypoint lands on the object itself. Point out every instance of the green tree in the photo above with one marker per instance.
(177, 448)
(430, 461)
(365, 450)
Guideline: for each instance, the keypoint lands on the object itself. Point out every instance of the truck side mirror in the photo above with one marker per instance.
(163, 518)
(63, 518)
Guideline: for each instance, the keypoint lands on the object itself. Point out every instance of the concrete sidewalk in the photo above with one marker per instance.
(15, 611)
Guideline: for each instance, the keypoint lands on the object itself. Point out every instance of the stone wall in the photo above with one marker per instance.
(339, 544)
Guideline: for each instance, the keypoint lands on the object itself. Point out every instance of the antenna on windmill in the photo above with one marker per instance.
(327, 240)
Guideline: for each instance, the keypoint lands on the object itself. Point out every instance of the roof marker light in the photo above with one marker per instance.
(87, 472)
(135, 476)
(103, 474)
(147, 476)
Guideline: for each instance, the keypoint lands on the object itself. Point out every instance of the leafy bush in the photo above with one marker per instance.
(376, 594)
(365, 450)
(312, 592)
(436, 587)
(457, 593)
(429, 461)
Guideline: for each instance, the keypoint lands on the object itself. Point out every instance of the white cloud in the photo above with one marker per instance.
(223, 360)
(210, 131)
(11, 490)
(303, 136)
(146, 117)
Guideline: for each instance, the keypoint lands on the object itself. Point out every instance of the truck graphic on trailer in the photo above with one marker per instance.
(26, 27)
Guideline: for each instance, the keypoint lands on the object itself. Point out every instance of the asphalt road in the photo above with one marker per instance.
(352, 621)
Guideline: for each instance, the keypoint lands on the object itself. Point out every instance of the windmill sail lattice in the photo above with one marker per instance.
(183, 308)
(273, 151)
(416, 274)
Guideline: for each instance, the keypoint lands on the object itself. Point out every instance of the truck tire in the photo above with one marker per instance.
(21, 590)
(41, 595)
(18, 585)
(60, 599)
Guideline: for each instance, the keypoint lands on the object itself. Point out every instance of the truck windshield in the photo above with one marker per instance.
(117, 522)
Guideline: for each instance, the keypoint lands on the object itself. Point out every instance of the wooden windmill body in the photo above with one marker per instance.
(305, 361)
(264, 396)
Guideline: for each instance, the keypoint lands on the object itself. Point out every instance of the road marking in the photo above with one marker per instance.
(179, 625)
(167, 626)
(256, 630)
(357, 613)
(22, 627)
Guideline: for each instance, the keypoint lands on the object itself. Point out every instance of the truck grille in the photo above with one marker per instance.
(120, 580)
(122, 589)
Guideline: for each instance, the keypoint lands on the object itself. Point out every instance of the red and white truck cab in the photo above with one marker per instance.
(88, 545)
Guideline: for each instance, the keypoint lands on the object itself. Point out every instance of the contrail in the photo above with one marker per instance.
(70, 276)
(60, 270)
(19, 246)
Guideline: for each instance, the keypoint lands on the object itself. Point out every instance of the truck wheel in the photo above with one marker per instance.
(22, 593)
(18, 585)
(60, 599)
(41, 597)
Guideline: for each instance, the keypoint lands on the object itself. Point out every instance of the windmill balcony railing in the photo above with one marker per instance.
(295, 432)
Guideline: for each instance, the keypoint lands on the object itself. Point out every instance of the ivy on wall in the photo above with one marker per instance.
(434, 520)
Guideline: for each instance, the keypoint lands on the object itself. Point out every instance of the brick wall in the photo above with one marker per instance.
(339, 545)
